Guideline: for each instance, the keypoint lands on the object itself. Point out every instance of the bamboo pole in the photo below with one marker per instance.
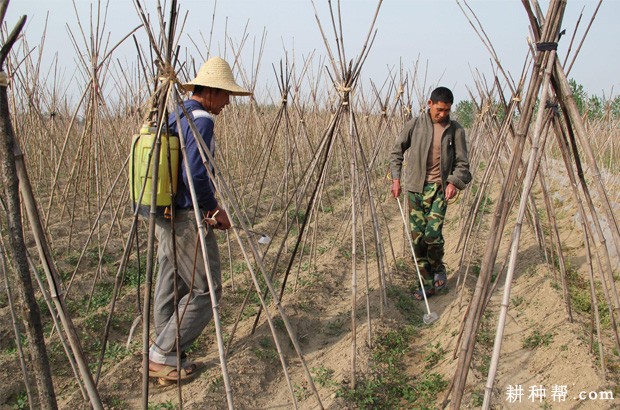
(525, 195)
(43, 377)
(474, 316)
(16, 332)
(353, 249)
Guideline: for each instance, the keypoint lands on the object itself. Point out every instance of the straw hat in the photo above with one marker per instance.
(216, 73)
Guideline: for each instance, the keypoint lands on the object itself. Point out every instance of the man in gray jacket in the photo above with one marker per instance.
(433, 149)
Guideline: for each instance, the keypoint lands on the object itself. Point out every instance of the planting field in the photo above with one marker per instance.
(317, 308)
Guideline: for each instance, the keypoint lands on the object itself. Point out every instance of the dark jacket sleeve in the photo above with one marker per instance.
(205, 192)
(460, 175)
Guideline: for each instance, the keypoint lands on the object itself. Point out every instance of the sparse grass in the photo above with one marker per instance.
(579, 290)
(116, 403)
(312, 278)
(433, 355)
(477, 398)
(485, 339)
(92, 256)
(425, 390)
(301, 392)
(530, 272)
(162, 406)
(485, 363)
(401, 265)
(327, 209)
(116, 351)
(345, 253)
(387, 385)
(135, 271)
(486, 207)
(21, 401)
(581, 296)
(217, 383)
(475, 269)
(266, 350)
(517, 301)
(12, 348)
(278, 323)
(240, 267)
(485, 334)
(296, 216)
(407, 305)
(95, 321)
(336, 327)
(537, 339)
(102, 296)
(72, 258)
(305, 305)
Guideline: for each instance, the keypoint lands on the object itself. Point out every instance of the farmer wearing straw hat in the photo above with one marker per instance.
(434, 150)
(211, 91)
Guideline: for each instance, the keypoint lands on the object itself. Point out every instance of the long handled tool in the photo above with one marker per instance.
(263, 238)
(429, 317)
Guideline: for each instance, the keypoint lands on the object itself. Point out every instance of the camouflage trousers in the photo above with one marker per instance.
(427, 211)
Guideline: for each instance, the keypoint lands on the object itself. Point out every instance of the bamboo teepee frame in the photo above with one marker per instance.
(324, 137)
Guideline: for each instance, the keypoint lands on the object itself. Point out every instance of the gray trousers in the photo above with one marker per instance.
(194, 300)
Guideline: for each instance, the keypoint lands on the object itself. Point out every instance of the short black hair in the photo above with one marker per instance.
(442, 94)
(199, 88)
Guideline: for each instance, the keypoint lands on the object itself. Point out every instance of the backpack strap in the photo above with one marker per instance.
(202, 114)
(205, 114)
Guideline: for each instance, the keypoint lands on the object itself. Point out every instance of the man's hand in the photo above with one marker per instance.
(218, 219)
(396, 190)
(451, 191)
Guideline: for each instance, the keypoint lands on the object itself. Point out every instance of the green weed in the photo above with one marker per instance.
(406, 305)
(21, 401)
(386, 386)
(162, 406)
(116, 403)
(301, 392)
(401, 265)
(485, 363)
(279, 324)
(345, 252)
(518, 300)
(240, 267)
(323, 376)
(433, 355)
(298, 216)
(537, 339)
(477, 398)
(266, 350)
(217, 383)
(335, 327)
(73, 258)
(102, 296)
(135, 272)
(425, 391)
(116, 351)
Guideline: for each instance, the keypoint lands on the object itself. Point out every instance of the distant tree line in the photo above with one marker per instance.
(592, 107)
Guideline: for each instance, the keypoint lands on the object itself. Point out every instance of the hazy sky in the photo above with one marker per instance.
(434, 32)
